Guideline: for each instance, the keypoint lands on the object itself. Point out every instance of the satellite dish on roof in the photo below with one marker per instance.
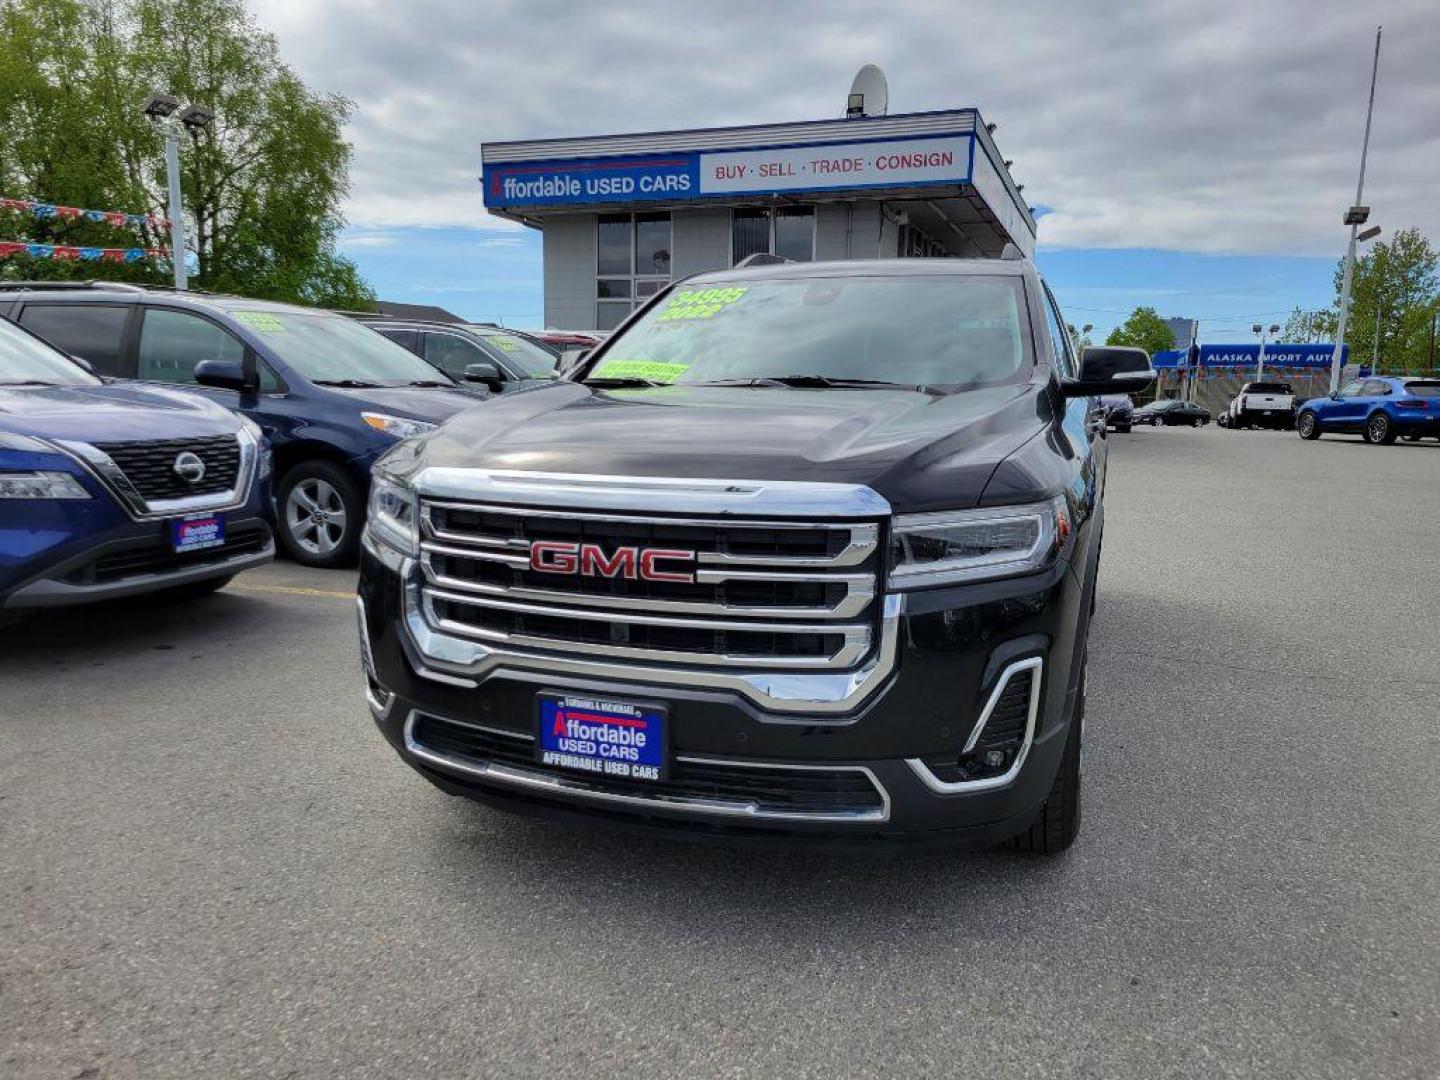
(869, 95)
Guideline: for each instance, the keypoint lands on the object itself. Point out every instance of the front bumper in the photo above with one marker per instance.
(470, 731)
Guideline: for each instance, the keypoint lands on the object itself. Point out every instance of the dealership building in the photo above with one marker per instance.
(624, 215)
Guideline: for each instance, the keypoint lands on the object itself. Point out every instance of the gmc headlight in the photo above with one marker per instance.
(394, 517)
(394, 425)
(41, 485)
(970, 545)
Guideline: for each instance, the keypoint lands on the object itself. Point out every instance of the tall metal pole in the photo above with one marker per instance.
(177, 217)
(1375, 356)
(1260, 369)
(1349, 274)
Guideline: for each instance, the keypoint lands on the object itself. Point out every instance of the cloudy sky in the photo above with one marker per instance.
(1192, 154)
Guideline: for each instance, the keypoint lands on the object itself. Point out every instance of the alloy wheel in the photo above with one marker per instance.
(315, 516)
(1376, 428)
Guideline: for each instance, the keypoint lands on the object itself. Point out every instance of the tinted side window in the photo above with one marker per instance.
(408, 338)
(93, 331)
(1059, 338)
(451, 353)
(1375, 388)
(173, 342)
(1354, 389)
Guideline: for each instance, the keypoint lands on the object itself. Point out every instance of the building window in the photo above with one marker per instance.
(788, 231)
(632, 263)
(916, 244)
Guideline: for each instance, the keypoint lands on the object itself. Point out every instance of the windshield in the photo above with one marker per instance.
(26, 360)
(534, 361)
(930, 331)
(333, 349)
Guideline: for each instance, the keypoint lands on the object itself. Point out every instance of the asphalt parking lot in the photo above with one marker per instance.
(211, 865)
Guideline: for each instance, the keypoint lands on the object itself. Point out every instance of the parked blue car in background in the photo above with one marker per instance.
(111, 490)
(1377, 408)
(330, 394)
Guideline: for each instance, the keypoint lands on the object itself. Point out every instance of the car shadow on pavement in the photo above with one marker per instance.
(98, 633)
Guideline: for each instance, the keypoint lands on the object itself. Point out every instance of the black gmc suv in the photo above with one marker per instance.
(803, 549)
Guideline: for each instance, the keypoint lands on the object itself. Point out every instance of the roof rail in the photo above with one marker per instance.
(761, 258)
(119, 286)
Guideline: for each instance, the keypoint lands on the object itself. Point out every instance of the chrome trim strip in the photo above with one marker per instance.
(856, 636)
(379, 706)
(859, 591)
(675, 495)
(989, 783)
(658, 799)
(801, 693)
(103, 468)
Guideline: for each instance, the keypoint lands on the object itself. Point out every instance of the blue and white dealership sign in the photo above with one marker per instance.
(822, 167)
(1248, 355)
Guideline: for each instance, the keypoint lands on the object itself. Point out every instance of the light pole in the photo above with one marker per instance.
(1356, 216)
(1264, 332)
(171, 117)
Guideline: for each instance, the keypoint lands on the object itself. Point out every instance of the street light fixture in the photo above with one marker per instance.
(1356, 216)
(1264, 332)
(172, 117)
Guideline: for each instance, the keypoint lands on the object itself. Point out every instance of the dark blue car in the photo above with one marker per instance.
(109, 491)
(330, 394)
(1378, 409)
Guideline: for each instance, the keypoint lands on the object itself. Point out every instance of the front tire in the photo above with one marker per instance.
(1307, 426)
(1196, 422)
(320, 515)
(1058, 823)
(1379, 431)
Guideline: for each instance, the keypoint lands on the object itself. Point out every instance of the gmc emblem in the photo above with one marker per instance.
(590, 560)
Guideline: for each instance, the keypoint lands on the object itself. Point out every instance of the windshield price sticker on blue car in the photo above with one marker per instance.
(608, 739)
(197, 532)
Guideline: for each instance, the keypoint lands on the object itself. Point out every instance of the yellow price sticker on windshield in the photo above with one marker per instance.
(700, 303)
(260, 320)
(504, 344)
(658, 371)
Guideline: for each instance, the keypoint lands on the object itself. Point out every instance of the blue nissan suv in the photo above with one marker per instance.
(330, 394)
(111, 490)
(1377, 409)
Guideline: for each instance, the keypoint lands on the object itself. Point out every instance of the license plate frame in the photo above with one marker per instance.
(197, 532)
(571, 729)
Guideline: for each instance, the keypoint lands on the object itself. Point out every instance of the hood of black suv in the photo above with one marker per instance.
(918, 450)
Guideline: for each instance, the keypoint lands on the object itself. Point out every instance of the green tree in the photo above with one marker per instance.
(1395, 289)
(263, 184)
(1304, 327)
(1144, 329)
(1080, 337)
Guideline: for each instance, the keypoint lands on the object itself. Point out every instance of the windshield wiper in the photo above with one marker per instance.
(428, 382)
(29, 382)
(820, 381)
(631, 380)
(349, 384)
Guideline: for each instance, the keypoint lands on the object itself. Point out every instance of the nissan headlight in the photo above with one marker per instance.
(956, 546)
(41, 485)
(262, 446)
(394, 517)
(395, 425)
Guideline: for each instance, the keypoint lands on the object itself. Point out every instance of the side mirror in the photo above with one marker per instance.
(1334, 395)
(222, 374)
(1110, 369)
(484, 371)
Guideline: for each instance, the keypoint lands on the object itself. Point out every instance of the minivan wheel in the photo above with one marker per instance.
(1058, 823)
(1378, 430)
(1307, 426)
(320, 514)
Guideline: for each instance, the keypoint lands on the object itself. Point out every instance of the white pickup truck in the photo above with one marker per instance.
(1263, 404)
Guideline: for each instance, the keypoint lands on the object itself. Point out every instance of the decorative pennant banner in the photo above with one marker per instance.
(118, 218)
(9, 248)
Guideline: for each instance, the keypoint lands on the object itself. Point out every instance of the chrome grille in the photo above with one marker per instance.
(781, 594)
(150, 466)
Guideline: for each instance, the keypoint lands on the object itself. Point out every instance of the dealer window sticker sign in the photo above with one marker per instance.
(700, 303)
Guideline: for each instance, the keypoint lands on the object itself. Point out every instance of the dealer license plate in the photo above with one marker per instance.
(602, 737)
(197, 532)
